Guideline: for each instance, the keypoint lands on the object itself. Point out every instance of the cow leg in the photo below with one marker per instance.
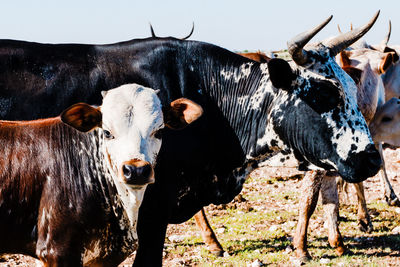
(330, 202)
(62, 260)
(60, 247)
(364, 220)
(152, 227)
(308, 201)
(389, 194)
(208, 234)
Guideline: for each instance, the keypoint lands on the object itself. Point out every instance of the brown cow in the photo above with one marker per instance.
(72, 185)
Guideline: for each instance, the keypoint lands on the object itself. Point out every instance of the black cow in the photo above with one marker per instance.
(305, 111)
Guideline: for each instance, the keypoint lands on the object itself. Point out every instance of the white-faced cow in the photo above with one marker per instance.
(71, 195)
(305, 111)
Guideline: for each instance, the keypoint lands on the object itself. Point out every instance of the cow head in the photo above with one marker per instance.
(132, 120)
(385, 126)
(365, 66)
(390, 79)
(315, 117)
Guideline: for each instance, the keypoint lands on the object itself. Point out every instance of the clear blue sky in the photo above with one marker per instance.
(235, 25)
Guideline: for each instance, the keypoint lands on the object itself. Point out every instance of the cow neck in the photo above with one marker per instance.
(97, 172)
(243, 94)
(97, 177)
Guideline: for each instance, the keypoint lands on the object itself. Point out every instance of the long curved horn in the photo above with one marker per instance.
(295, 46)
(338, 28)
(152, 31)
(341, 42)
(190, 34)
(386, 40)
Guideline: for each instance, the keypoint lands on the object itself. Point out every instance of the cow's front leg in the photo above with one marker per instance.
(308, 201)
(59, 246)
(330, 202)
(208, 234)
(152, 227)
(364, 220)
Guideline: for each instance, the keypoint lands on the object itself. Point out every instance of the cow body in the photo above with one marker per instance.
(52, 203)
(251, 112)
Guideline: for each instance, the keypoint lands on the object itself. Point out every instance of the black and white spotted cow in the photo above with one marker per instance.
(69, 195)
(305, 111)
(365, 66)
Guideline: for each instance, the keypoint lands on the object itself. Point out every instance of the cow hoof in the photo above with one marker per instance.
(341, 251)
(303, 256)
(392, 201)
(365, 226)
(218, 253)
(302, 260)
(347, 252)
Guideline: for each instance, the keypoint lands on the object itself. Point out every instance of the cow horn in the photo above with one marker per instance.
(152, 31)
(341, 42)
(386, 40)
(190, 34)
(295, 46)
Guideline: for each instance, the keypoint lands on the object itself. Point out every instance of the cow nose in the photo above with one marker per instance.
(138, 175)
(369, 162)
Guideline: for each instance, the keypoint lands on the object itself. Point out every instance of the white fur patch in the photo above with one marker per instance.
(243, 72)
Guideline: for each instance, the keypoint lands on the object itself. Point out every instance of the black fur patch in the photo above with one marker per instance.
(322, 96)
(281, 74)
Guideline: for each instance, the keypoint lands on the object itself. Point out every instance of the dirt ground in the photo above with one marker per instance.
(193, 252)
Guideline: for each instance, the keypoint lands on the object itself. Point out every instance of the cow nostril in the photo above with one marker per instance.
(374, 158)
(145, 171)
(127, 171)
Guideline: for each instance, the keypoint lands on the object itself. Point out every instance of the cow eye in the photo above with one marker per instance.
(386, 119)
(158, 134)
(324, 97)
(107, 134)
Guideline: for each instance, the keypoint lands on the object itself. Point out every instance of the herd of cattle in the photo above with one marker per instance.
(72, 185)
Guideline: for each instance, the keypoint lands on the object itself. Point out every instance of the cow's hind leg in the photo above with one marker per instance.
(364, 220)
(389, 194)
(208, 234)
(330, 202)
(308, 201)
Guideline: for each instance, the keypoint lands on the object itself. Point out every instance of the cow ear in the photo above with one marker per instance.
(281, 74)
(181, 112)
(395, 55)
(344, 58)
(354, 73)
(82, 117)
(386, 62)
